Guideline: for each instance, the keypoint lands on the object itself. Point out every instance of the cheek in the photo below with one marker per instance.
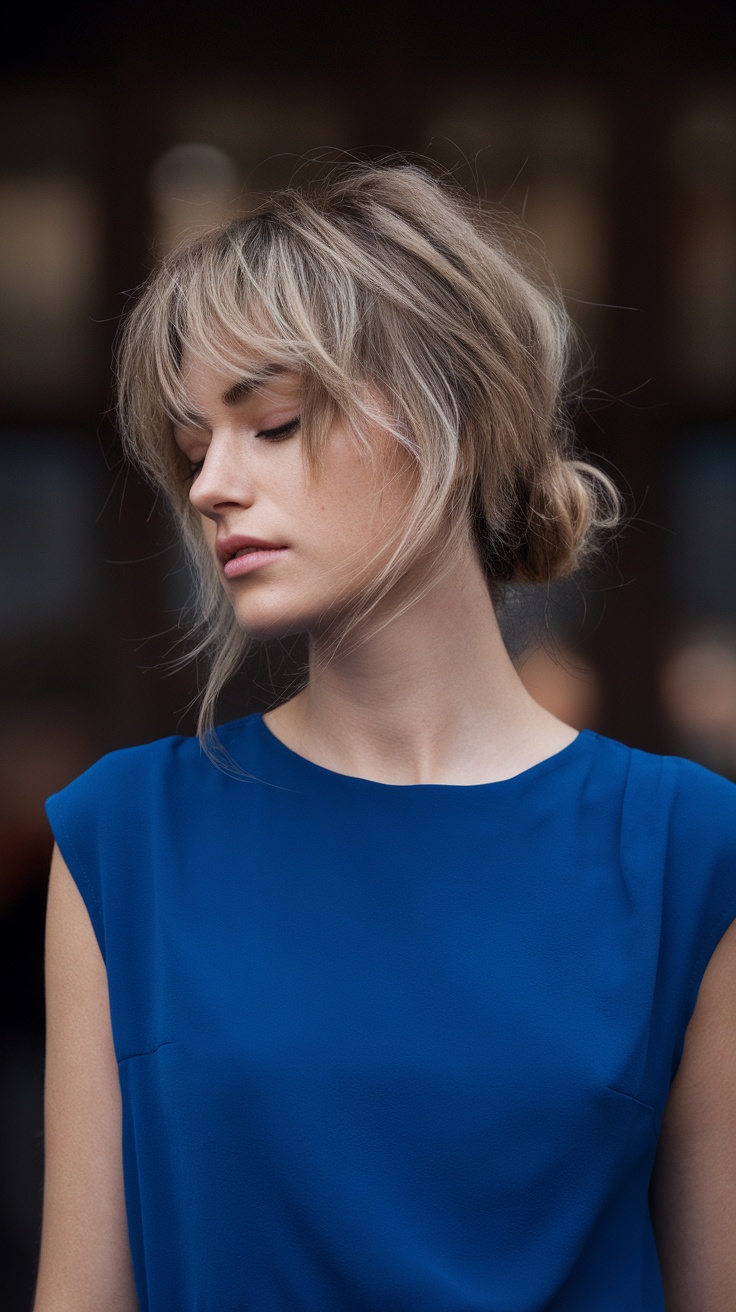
(208, 529)
(366, 497)
(347, 520)
(358, 528)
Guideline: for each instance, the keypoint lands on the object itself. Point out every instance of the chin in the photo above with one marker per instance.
(270, 622)
(273, 631)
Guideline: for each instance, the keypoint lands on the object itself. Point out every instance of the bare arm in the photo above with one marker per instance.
(693, 1190)
(85, 1263)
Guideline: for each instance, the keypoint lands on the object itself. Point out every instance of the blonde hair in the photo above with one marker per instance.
(378, 276)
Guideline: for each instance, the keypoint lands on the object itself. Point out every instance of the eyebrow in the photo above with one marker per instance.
(240, 390)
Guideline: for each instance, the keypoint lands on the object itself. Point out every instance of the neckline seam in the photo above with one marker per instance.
(299, 762)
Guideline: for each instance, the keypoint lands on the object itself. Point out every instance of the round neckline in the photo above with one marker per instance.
(311, 768)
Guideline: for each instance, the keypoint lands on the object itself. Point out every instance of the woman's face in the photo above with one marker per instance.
(292, 548)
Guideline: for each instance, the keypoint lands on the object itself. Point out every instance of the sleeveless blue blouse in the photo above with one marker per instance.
(390, 1048)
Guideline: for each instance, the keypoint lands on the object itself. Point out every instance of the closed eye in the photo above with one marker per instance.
(283, 431)
(273, 434)
(194, 468)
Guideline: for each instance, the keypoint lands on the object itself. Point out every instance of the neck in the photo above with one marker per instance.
(433, 697)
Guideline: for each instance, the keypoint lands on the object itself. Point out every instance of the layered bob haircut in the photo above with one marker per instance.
(378, 279)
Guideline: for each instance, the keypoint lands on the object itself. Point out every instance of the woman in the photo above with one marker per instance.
(386, 999)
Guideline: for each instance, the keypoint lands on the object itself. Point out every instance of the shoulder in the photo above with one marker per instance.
(128, 770)
(128, 764)
(675, 824)
(695, 805)
(110, 800)
(702, 809)
(164, 773)
(110, 820)
(695, 813)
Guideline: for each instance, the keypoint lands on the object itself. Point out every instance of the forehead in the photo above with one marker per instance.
(207, 386)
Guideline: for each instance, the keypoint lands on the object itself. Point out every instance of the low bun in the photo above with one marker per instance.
(560, 518)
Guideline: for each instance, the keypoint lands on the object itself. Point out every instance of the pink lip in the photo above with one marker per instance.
(237, 565)
(260, 553)
(226, 548)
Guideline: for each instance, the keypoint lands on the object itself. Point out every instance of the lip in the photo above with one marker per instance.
(261, 553)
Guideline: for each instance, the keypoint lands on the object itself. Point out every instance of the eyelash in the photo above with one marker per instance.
(285, 430)
(273, 434)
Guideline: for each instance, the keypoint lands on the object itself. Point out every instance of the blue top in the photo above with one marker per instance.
(390, 1048)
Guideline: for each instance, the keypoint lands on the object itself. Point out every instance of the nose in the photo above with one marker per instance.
(222, 482)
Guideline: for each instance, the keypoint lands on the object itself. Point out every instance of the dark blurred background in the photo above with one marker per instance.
(610, 131)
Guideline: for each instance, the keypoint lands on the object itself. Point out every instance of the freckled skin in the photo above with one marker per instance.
(335, 526)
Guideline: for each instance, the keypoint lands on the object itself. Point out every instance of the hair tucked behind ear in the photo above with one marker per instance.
(378, 279)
